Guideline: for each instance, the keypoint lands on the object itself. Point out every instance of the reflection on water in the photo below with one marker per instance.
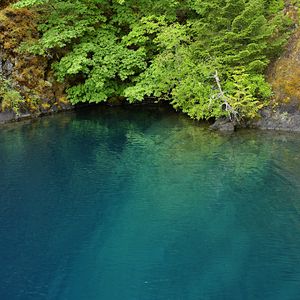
(142, 203)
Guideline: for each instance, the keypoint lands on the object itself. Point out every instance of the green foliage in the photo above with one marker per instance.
(10, 99)
(29, 3)
(245, 91)
(100, 62)
(165, 49)
(274, 6)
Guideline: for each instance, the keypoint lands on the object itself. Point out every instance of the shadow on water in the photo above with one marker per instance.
(143, 203)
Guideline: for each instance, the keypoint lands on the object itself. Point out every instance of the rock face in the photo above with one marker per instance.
(6, 117)
(284, 73)
(278, 120)
(27, 84)
(6, 66)
(284, 77)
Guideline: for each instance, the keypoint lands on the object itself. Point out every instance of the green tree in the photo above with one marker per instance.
(168, 49)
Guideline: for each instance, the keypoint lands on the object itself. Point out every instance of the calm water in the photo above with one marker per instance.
(142, 203)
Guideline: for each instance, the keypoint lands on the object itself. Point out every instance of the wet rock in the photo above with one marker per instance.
(223, 125)
(66, 106)
(278, 120)
(23, 116)
(6, 117)
(54, 109)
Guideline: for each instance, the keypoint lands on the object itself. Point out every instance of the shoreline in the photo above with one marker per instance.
(269, 120)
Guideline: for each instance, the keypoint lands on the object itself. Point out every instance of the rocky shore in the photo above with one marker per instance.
(30, 88)
(279, 120)
(10, 117)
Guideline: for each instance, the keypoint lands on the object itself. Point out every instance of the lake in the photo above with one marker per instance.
(142, 203)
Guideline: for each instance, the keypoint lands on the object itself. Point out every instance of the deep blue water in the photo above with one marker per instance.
(142, 203)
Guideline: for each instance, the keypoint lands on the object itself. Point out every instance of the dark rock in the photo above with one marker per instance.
(114, 101)
(7, 68)
(66, 106)
(54, 109)
(278, 120)
(23, 116)
(223, 125)
(6, 117)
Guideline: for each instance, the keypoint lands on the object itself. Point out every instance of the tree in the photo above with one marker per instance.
(165, 49)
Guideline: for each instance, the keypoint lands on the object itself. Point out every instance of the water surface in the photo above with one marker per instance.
(142, 203)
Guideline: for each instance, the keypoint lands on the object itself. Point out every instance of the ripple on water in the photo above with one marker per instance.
(143, 203)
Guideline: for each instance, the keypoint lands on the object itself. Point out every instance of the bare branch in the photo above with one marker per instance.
(231, 112)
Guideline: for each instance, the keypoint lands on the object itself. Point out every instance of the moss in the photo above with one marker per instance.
(285, 78)
(5, 3)
(10, 98)
(17, 26)
(31, 76)
(284, 73)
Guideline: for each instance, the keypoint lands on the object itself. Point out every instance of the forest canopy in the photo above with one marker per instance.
(206, 57)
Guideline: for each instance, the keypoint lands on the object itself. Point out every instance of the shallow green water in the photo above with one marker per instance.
(142, 203)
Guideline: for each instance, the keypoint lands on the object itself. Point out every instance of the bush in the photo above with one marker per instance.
(166, 49)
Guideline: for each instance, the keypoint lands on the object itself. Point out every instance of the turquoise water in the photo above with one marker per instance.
(142, 203)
